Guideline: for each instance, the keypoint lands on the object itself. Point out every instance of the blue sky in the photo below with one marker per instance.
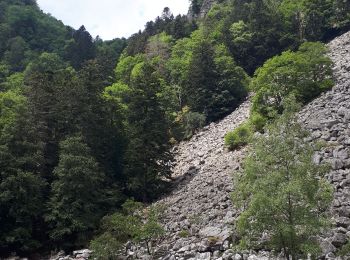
(110, 18)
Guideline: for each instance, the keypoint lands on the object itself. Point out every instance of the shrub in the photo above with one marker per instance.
(257, 121)
(187, 123)
(184, 233)
(132, 223)
(238, 137)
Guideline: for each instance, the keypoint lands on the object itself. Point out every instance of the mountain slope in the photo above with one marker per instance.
(199, 212)
(328, 119)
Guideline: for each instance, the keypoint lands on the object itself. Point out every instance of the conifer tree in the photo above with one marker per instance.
(146, 154)
(77, 198)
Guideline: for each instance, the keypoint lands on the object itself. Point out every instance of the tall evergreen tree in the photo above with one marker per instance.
(81, 48)
(146, 156)
(77, 196)
(21, 187)
(202, 78)
(104, 132)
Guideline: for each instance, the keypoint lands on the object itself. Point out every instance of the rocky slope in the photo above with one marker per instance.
(328, 119)
(199, 212)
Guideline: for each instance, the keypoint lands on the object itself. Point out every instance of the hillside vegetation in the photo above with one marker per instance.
(87, 124)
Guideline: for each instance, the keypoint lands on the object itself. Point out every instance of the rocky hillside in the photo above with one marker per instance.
(328, 119)
(199, 212)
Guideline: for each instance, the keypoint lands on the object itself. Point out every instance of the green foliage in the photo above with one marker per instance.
(77, 193)
(164, 83)
(159, 45)
(21, 201)
(150, 230)
(238, 137)
(132, 223)
(214, 85)
(125, 65)
(147, 152)
(305, 74)
(184, 233)
(105, 246)
(188, 122)
(196, 6)
(282, 192)
(257, 122)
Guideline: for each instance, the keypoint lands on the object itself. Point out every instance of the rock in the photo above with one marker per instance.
(184, 249)
(344, 212)
(82, 252)
(204, 256)
(336, 164)
(237, 257)
(228, 255)
(339, 239)
(327, 247)
(253, 257)
(57, 256)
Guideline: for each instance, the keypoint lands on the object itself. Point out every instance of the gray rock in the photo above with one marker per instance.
(327, 247)
(339, 239)
(237, 257)
(82, 252)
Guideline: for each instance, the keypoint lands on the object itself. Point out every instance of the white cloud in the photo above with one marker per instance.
(110, 18)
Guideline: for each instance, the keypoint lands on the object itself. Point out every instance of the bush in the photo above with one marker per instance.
(105, 247)
(187, 122)
(238, 137)
(193, 121)
(132, 223)
(184, 233)
(257, 121)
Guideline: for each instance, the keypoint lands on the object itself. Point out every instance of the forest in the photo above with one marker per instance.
(86, 124)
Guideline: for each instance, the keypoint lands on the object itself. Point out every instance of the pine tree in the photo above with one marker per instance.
(202, 79)
(21, 186)
(146, 155)
(77, 198)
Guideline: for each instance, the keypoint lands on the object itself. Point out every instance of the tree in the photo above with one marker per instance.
(282, 192)
(231, 86)
(21, 187)
(305, 74)
(147, 152)
(81, 48)
(54, 103)
(202, 77)
(77, 197)
(103, 131)
(215, 84)
(16, 54)
(21, 203)
(196, 6)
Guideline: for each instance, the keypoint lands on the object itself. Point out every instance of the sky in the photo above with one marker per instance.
(110, 18)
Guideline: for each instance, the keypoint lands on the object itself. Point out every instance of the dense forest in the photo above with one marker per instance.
(87, 124)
